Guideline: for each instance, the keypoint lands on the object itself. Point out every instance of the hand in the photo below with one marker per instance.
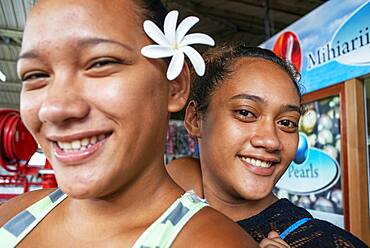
(273, 241)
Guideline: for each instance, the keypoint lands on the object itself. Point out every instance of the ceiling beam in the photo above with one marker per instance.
(240, 8)
(247, 17)
(9, 105)
(10, 87)
(9, 97)
(14, 35)
(10, 42)
(7, 60)
(11, 33)
(296, 8)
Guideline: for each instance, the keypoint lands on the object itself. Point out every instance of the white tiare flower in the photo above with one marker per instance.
(2, 76)
(175, 43)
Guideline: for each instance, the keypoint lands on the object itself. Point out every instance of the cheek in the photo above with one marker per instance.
(222, 140)
(29, 106)
(290, 148)
(126, 93)
(221, 127)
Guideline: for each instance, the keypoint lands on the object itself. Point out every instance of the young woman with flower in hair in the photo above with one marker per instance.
(98, 104)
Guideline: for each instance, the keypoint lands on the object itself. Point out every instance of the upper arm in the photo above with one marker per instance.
(17, 204)
(209, 228)
(186, 172)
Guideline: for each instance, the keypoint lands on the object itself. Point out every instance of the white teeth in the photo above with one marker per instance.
(67, 145)
(256, 162)
(60, 144)
(85, 141)
(93, 140)
(76, 144)
(80, 145)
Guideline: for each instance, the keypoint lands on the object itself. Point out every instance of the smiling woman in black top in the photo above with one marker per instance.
(244, 114)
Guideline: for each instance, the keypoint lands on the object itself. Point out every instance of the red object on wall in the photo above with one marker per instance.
(48, 177)
(16, 144)
(288, 48)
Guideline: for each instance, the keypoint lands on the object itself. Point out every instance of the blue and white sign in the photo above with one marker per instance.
(313, 171)
(329, 45)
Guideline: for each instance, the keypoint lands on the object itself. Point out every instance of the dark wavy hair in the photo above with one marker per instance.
(220, 63)
(153, 10)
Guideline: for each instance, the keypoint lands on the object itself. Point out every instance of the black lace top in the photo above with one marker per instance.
(314, 233)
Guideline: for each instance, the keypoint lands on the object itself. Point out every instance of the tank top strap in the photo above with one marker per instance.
(22, 224)
(165, 229)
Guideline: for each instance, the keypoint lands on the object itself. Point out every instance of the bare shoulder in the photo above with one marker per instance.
(186, 172)
(15, 205)
(209, 228)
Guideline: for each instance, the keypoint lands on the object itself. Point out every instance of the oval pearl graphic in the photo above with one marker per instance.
(318, 173)
(287, 47)
(302, 150)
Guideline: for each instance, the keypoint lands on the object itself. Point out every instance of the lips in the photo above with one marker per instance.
(258, 166)
(77, 151)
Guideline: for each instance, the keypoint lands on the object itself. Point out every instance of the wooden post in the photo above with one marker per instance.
(358, 196)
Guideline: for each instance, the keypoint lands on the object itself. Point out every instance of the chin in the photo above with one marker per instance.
(79, 190)
(76, 192)
(253, 195)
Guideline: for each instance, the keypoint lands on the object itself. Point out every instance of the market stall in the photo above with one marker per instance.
(331, 48)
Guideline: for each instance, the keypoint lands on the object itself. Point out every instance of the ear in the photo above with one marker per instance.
(192, 121)
(179, 90)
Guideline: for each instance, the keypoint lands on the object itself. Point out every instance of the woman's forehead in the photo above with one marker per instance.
(260, 77)
(58, 20)
(110, 13)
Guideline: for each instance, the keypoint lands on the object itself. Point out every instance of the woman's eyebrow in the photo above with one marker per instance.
(289, 108)
(283, 108)
(80, 43)
(31, 54)
(86, 42)
(248, 97)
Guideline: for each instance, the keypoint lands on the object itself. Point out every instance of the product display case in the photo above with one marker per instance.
(317, 179)
(330, 175)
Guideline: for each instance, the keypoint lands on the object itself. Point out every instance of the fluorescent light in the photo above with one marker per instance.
(2, 76)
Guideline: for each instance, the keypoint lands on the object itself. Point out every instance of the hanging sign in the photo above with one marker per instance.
(329, 45)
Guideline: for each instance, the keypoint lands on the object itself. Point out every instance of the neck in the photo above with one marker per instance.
(237, 208)
(134, 207)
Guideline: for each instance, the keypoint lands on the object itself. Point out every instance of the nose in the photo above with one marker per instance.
(266, 137)
(62, 103)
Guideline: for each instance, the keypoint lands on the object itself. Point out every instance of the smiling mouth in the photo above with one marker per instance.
(81, 145)
(80, 150)
(256, 162)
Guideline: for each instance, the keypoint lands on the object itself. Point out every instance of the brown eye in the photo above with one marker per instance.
(101, 63)
(244, 114)
(34, 76)
(288, 124)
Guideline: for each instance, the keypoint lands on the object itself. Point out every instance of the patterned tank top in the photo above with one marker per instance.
(160, 234)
